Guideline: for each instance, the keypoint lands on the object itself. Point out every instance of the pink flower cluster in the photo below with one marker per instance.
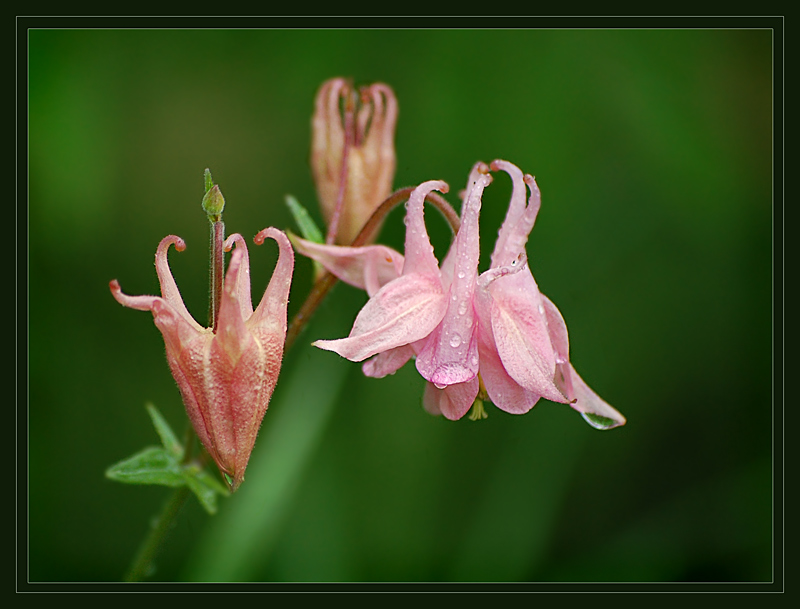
(473, 336)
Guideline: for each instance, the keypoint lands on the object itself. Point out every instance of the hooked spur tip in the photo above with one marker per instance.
(179, 243)
(116, 290)
(229, 242)
(276, 235)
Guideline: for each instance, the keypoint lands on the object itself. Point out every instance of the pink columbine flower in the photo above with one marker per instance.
(352, 154)
(493, 333)
(226, 377)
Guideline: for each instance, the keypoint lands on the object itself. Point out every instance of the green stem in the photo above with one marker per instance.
(142, 563)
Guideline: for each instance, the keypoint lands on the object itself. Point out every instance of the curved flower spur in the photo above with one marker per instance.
(226, 376)
(474, 337)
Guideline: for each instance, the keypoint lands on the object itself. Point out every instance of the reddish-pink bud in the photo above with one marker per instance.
(352, 154)
(226, 377)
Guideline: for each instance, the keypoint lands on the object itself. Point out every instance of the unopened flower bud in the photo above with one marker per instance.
(352, 154)
(214, 203)
(226, 375)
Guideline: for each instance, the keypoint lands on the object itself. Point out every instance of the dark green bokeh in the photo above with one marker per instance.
(653, 153)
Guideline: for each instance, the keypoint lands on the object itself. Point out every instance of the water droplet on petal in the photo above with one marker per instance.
(455, 341)
(461, 274)
(439, 386)
(599, 422)
(541, 309)
(462, 307)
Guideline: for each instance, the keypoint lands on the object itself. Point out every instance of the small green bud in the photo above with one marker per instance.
(214, 203)
(207, 178)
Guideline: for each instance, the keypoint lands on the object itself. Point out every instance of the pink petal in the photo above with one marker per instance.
(384, 119)
(516, 208)
(447, 358)
(232, 335)
(401, 312)
(169, 289)
(367, 268)
(559, 338)
(387, 362)
(187, 365)
(447, 268)
(418, 251)
(520, 333)
(519, 220)
(594, 409)
(328, 144)
(177, 331)
(271, 310)
(450, 355)
(454, 401)
(503, 391)
(243, 294)
(140, 303)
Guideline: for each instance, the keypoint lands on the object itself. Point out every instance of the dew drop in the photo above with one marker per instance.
(598, 421)
(541, 309)
(439, 386)
(462, 307)
(461, 274)
(455, 341)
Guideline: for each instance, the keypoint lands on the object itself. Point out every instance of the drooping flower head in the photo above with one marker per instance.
(352, 153)
(524, 345)
(491, 335)
(226, 377)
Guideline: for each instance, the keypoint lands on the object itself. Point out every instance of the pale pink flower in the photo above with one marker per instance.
(464, 329)
(523, 342)
(367, 267)
(226, 377)
(352, 154)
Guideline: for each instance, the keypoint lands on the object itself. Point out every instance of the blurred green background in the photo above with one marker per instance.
(653, 151)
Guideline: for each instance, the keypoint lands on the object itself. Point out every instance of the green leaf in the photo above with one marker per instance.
(164, 466)
(308, 228)
(168, 437)
(153, 465)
